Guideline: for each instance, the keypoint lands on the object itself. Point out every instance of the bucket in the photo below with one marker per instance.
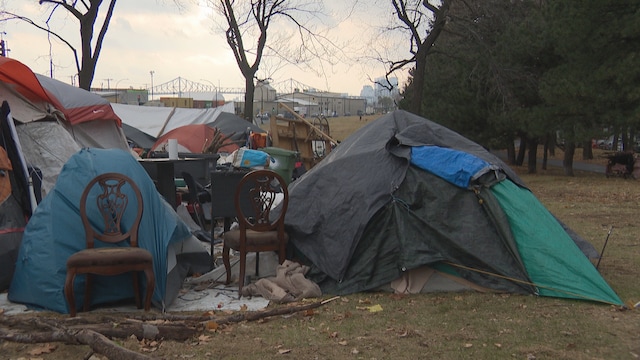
(282, 162)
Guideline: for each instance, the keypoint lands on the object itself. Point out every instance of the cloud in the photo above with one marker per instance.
(153, 35)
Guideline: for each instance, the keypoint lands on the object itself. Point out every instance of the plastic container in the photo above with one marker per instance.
(282, 161)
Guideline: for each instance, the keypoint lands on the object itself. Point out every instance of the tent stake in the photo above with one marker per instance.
(604, 246)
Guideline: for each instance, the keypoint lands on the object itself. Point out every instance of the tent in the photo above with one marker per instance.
(15, 202)
(54, 120)
(157, 121)
(405, 196)
(137, 137)
(234, 126)
(193, 138)
(55, 232)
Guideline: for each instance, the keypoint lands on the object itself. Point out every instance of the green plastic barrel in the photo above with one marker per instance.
(282, 161)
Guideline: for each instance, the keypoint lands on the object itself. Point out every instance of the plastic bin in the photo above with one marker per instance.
(282, 161)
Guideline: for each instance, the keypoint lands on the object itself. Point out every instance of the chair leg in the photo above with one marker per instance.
(136, 289)
(227, 264)
(257, 265)
(243, 264)
(68, 292)
(151, 285)
(88, 283)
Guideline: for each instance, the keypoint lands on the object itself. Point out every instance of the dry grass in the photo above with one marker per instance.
(454, 325)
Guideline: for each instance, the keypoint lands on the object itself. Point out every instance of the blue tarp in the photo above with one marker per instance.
(454, 166)
(55, 232)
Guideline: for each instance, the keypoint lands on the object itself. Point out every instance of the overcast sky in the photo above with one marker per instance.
(153, 35)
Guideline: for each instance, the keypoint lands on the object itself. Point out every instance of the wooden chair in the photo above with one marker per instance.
(105, 194)
(257, 232)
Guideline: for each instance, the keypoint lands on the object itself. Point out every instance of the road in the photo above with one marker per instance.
(577, 165)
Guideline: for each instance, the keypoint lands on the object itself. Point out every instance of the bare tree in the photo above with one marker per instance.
(87, 14)
(423, 21)
(247, 24)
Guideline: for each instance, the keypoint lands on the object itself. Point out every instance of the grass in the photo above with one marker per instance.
(454, 325)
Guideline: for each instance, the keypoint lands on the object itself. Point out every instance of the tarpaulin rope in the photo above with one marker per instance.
(528, 283)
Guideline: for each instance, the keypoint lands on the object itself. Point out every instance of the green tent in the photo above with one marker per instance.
(405, 203)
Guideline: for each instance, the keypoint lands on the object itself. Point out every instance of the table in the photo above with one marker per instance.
(223, 190)
(164, 171)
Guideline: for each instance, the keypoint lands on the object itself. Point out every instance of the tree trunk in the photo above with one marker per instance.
(545, 152)
(532, 163)
(440, 20)
(567, 161)
(521, 150)
(248, 97)
(587, 151)
(511, 152)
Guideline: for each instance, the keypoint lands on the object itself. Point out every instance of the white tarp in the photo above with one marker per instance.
(157, 121)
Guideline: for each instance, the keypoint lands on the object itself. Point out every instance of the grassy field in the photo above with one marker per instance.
(450, 325)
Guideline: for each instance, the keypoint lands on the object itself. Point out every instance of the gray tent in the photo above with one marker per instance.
(403, 193)
(234, 126)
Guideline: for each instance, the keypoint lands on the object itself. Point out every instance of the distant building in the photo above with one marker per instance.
(312, 103)
(178, 102)
(264, 98)
(386, 87)
(124, 96)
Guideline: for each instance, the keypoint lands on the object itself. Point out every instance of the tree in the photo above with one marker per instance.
(595, 85)
(87, 13)
(483, 74)
(423, 22)
(247, 24)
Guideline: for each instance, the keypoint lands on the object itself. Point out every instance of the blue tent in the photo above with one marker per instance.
(55, 232)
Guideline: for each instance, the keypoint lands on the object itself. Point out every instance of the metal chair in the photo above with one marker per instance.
(106, 195)
(193, 198)
(257, 231)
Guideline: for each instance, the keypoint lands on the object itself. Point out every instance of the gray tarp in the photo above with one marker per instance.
(331, 205)
(364, 215)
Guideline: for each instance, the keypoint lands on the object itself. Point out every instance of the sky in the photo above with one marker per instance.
(148, 36)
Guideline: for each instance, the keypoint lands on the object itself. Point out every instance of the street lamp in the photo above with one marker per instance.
(151, 73)
(118, 82)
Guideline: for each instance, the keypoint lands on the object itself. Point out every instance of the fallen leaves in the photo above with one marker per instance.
(46, 348)
(373, 308)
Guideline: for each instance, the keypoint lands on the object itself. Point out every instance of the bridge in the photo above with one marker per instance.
(181, 86)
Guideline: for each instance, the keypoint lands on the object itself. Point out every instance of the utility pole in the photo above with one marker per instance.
(3, 44)
(151, 73)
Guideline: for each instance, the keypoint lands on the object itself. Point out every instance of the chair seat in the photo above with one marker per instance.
(110, 256)
(254, 238)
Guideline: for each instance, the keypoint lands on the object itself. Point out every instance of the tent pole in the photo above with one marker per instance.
(604, 246)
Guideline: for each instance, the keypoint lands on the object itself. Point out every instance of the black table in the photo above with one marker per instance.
(223, 189)
(164, 171)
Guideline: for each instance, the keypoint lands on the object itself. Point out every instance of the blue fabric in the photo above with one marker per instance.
(456, 167)
(55, 231)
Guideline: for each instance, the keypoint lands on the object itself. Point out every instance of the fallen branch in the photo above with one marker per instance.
(96, 333)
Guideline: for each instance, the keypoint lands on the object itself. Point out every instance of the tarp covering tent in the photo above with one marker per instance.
(137, 137)
(404, 193)
(234, 126)
(194, 138)
(55, 232)
(54, 119)
(157, 121)
(15, 202)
